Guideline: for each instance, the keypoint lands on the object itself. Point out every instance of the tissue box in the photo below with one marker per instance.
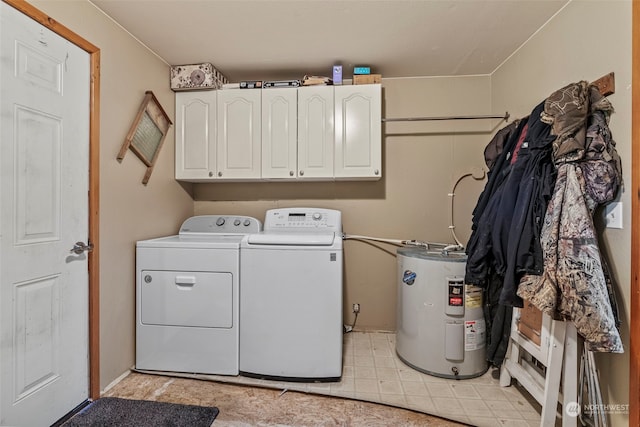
(196, 77)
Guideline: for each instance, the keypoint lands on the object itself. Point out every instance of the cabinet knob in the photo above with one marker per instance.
(210, 174)
(290, 173)
(301, 173)
(219, 173)
(376, 172)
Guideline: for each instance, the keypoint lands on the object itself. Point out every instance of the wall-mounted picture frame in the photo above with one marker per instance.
(147, 133)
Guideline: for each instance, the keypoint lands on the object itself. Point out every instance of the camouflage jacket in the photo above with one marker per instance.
(573, 285)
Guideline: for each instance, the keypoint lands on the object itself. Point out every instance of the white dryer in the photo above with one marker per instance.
(291, 297)
(187, 296)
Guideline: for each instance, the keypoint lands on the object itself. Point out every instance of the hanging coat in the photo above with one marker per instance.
(508, 216)
(507, 220)
(573, 286)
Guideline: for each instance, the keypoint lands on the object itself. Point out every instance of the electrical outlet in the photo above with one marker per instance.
(356, 308)
(613, 215)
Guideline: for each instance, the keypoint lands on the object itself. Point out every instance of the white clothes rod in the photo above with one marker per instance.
(418, 119)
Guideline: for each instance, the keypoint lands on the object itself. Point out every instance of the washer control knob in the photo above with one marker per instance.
(220, 222)
(247, 222)
(317, 216)
(236, 222)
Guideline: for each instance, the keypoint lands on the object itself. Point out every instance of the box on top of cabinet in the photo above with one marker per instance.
(196, 77)
(366, 79)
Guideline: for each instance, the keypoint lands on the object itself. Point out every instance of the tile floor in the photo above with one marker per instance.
(373, 372)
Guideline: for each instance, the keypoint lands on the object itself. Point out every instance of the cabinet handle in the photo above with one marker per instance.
(210, 174)
(376, 172)
(301, 173)
(219, 173)
(290, 173)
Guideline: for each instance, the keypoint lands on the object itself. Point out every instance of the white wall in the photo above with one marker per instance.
(585, 41)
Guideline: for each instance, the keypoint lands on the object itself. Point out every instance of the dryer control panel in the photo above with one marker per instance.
(220, 224)
(303, 219)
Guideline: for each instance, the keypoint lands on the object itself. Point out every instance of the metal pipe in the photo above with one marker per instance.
(417, 119)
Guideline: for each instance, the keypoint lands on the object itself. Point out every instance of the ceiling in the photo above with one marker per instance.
(287, 39)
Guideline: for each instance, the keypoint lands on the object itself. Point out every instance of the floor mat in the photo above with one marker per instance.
(114, 411)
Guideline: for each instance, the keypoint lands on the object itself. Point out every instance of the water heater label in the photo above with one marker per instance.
(454, 305)
(455, 301)
(455, 293)
(474, 334)
(473, 296)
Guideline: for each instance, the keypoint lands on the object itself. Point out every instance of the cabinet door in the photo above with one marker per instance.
(238, 142)
(279, 133)
(358, 132)
(195, 135)
(315, 132)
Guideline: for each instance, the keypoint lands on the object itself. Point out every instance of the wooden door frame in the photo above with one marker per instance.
(634, 294)
(94, 179)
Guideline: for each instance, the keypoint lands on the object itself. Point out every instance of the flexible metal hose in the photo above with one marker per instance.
(477, 174)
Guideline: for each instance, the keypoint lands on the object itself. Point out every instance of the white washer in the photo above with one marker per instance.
(291, 297)
(187, 296)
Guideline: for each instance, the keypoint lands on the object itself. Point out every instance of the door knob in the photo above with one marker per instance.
(80, 247)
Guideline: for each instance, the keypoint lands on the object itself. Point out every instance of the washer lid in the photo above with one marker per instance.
(292, 239)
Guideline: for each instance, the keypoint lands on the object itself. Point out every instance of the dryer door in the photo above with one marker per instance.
(186, 298)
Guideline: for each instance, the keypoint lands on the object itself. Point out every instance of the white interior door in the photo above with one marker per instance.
(44, 151)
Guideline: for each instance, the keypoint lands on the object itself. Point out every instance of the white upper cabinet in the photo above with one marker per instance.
(297, 133)
(279, 133)
(315, 132)
(239, 134)
(358, 142)
(195, 135)
(306, 133)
